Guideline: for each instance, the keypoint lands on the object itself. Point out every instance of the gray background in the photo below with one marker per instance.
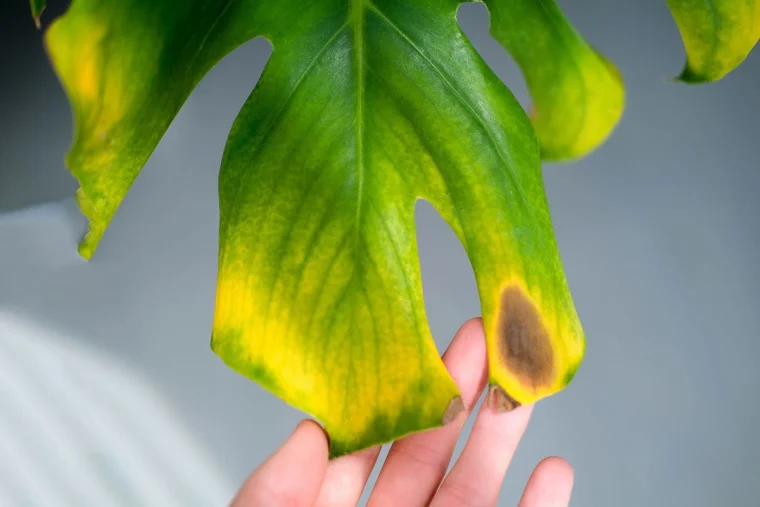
(657, 229)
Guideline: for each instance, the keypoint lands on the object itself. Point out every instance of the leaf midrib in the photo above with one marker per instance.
(357, 17)
(457, 94)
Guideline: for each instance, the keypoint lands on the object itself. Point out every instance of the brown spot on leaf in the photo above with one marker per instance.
(453, 409)
(500, 401)
(525, 346)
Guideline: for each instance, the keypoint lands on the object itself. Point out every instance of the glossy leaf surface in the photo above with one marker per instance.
(578, 96)
(364, 108)
(718, 35)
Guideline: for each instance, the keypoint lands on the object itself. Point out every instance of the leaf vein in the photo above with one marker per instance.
(457, 94)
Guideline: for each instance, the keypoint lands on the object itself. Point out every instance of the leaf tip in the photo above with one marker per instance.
(95, 224)
(689, 76)
(86, 247)
(38, 6)
(595, 121)
(453, 409)
(500, 401)
(534, 352)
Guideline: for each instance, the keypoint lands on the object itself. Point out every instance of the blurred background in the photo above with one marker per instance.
(110, 394)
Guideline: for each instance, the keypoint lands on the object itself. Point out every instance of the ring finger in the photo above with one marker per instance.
(477, 476)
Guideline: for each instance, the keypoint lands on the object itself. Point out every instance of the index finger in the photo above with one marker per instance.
(292, 475)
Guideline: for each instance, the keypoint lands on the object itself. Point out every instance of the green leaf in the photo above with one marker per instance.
(718, 35)
(37, 7)
(578, 96)
(364, 108)
(128, 67)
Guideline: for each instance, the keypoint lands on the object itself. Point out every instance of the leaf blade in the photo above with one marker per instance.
(271, 274)
(310, 254)
(362, 109)
(718, 35)
(127, 68)
(578, 95)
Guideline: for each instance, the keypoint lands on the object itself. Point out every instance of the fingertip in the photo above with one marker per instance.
(294, 472)
(307, 442)
(314, 434)
(550, 484)
(471, 330)
(557, 468)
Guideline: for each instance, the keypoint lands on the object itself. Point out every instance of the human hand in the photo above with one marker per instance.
(299, 473)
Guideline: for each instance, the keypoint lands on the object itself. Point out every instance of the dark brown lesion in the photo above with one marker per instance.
(524, 344)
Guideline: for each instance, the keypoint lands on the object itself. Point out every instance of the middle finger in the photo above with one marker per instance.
(416, 464)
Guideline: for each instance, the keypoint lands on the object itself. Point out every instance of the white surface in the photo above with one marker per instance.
(79, 429)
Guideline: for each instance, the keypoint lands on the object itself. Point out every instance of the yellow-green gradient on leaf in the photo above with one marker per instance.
(578, 96)
(363, 109)
(718, 35)
(127, 68)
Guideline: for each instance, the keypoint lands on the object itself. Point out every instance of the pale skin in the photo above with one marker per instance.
(299, 474)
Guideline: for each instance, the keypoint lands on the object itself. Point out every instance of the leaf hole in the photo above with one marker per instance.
(448, 281)
(474, 20)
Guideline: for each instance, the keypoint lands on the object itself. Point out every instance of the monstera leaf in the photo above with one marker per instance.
(578, 95)
(718, 35)
(364, 108)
